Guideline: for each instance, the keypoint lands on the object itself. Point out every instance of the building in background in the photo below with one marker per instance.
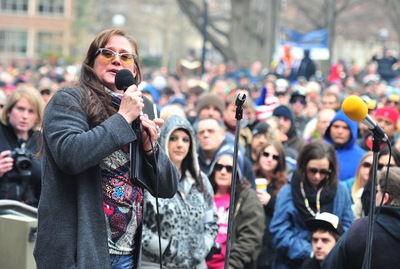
(32, 30)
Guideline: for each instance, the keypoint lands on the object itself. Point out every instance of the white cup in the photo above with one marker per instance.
(261, 184)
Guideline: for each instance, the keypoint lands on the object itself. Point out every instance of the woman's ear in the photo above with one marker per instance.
(386, 199)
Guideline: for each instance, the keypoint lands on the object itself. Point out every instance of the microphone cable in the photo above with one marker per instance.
(153, 149)
(368, 250)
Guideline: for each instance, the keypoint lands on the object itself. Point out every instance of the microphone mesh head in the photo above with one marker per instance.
(123, 79)
(355, 108)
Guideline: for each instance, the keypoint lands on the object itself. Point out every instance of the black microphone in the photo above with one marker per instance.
(124, 79)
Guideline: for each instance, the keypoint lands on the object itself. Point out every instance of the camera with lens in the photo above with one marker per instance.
(22, 162)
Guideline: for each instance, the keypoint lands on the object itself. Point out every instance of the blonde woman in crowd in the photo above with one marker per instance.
(357, 183)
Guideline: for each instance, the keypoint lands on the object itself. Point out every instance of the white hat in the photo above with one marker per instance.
(326, 220)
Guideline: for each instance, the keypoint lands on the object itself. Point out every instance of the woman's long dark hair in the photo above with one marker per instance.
(280, 175)
(98, 103)
(187, 164)
(316, 151)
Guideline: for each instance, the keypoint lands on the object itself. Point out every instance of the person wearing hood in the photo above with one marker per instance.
(248, 219)
(188, 220)
(307, 67)
(350, 250)
(286, 118)
(342, 133)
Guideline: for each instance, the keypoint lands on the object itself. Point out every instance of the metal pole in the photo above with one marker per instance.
(205, 22)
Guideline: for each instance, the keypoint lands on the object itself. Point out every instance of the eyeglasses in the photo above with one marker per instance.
(109, 55)
(219, 167)
(302, 101)
(380, 165)
(45, 92)
(392, 102)
(366, 165)
(267, 154)
(322, 172)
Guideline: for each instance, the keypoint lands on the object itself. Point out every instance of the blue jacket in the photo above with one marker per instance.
(350, 155)
(290, 234)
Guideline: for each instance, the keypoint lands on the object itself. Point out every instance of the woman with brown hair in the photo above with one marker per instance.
(91, 207)
(271, 167)
(314, 189)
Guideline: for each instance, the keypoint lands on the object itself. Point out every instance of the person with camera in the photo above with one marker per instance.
(20, 172)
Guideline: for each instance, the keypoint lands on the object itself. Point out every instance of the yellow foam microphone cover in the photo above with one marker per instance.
(355, 108)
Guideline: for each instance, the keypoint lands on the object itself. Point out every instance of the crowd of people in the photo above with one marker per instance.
(111, 194)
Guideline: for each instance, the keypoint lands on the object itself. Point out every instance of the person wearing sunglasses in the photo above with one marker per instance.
(356, 184)
(314, 189)
(298, 105)
(270, 165)
(188, 220)
(91, 206)
(248, 219)
(349, 252)
(385, 155)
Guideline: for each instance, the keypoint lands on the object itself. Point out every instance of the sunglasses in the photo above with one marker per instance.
(322, 172)
(366, 165)
(380, 165)
(392, 102)
(301, 101)
(110, 55)
(267, 154)
(219, 167)
(45, 92)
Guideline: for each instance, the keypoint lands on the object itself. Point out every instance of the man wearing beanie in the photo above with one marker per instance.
(262, 133)
(286, 119)
(210, 106)
(386, 117)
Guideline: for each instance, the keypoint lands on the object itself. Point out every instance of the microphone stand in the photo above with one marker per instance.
(378, 138)
(239, 115)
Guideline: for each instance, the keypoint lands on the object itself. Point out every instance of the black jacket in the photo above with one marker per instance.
(349, 250)
(20, 184)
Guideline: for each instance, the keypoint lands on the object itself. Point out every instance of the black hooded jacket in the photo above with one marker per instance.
(349, 250)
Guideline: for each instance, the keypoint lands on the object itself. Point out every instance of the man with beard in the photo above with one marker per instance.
(342, 134)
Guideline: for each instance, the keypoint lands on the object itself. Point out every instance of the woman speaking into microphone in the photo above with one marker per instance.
(90, 212)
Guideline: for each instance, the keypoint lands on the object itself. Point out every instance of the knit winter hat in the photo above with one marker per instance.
(283, 111)
(261, 128)
(210, 99)
(387, 112)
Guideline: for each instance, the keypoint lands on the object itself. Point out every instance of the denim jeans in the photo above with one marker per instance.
(121, 261)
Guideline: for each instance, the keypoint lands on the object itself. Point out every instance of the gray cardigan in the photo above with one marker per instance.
(71, 221)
